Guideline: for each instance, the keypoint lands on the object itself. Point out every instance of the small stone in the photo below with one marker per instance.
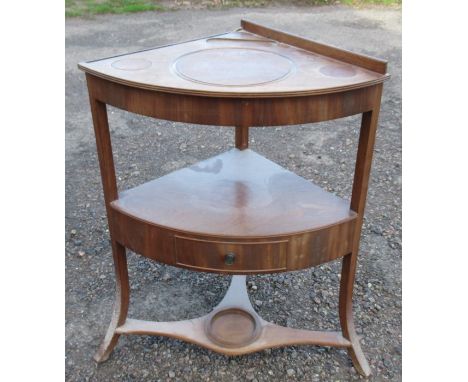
(250, 376)
(171, 374)
(81, 253)
(73, 232)
(292, 156)
(254, 287)
(258, 302)
(317, 300)
(290, 372)
(166, 277)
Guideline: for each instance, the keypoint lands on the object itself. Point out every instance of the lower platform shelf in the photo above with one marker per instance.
(237, 213)
(234, 328)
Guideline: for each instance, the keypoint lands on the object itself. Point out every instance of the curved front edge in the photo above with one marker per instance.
(221, 111)
(251, 255)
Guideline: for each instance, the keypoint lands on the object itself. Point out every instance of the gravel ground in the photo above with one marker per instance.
(145, 149)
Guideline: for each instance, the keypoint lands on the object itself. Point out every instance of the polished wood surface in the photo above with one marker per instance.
(303, 250)
(358, 202)
(265, 256)
(237, 213)
(122, 299)
(237, 194)
(233, 111)
(342, 55)
(240, 203)
(242, 137)
(233, 327)
(252, 62)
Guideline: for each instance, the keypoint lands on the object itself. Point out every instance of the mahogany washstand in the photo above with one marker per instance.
(237, 213)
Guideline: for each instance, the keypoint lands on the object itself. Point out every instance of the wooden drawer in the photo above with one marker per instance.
(230, 256)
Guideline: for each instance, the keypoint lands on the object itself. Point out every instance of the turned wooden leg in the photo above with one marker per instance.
(346, 315)
(121, 303)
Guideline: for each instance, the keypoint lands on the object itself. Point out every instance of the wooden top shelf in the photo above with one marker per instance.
(254, 61)
(234, 194)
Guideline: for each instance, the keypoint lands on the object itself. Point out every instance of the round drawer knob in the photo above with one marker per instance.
(229, 258)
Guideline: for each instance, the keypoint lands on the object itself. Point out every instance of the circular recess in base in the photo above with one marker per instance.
(233, 328)
(233, 66)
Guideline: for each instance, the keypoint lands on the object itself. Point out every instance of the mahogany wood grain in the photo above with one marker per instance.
(305, 249)
(261, 335)
(271, 219)
(364, 61)
(233, 111)
(104, 150)
(273, 336)
(109, 184)
(358, 201)
(122, 298)
(257, 66)
(242, 137)
(237, 213)
(204, 255)
(236, 194)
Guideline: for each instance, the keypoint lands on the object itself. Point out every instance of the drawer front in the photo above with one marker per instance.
(231, 257)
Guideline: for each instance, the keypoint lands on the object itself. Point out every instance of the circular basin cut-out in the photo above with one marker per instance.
(233, 328)
(131, 64)
(233, 66)
(338, 71)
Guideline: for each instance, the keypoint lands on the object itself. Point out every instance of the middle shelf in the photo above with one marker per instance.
(237, 200)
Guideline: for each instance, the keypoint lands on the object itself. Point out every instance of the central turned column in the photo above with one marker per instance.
(234, 322)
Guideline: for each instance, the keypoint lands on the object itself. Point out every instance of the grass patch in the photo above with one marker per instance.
(76, 8)
(262, 3)
(369, 2)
